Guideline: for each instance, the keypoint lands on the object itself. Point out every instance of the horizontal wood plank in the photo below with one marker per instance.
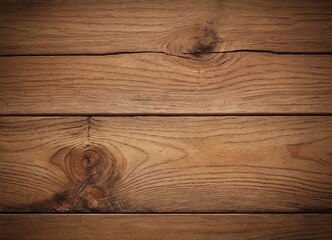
(165, 164)
(240, 83)
(96, 26)
(166, 227)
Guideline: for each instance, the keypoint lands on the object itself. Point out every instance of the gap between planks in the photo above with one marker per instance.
(166, 53)
(228, 213)
(163, 115)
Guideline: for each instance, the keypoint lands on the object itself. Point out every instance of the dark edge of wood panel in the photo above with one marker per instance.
(166, 227)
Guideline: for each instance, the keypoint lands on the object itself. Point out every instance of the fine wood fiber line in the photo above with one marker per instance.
(166, 227)
(166, 164)
(142, 84)
(173, 27)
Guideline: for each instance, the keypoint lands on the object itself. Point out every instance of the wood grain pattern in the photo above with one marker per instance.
(166, 227)
(198, 63)
(63, 27)
(165, 164)
(240, 83)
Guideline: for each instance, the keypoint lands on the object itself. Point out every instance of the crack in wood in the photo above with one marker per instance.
(262, 51)
(88, 121)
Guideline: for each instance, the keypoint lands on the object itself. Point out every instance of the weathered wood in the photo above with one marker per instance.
(96, 26)
(165, 164)
(238, 83)
(166, 227)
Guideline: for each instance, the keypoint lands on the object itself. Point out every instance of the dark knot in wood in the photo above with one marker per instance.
(91, 164)
(194, 41)
(92, 172)
(205, 41)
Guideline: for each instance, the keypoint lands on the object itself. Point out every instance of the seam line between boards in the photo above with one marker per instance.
(89, 115)
(165, 53)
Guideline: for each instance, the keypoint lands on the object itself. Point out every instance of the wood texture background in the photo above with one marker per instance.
(100, 112)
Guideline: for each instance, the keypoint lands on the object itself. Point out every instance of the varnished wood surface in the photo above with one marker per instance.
(165, 164)
(166, 227)
(240, 83)
(71, 27)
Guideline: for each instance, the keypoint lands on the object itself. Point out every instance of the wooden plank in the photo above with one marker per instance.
(165, 164)
(96, 26)
(166, 227)
(239, 83)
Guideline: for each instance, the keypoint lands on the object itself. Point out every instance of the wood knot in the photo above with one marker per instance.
(92, 172)
(195, 40)
(204, 41)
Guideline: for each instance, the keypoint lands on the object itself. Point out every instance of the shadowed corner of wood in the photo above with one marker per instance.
(91, 171)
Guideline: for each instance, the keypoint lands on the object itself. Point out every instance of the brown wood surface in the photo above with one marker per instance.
(166, 227)
(239, 83)
(165, 164)
(78, 65)
(176, 27)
